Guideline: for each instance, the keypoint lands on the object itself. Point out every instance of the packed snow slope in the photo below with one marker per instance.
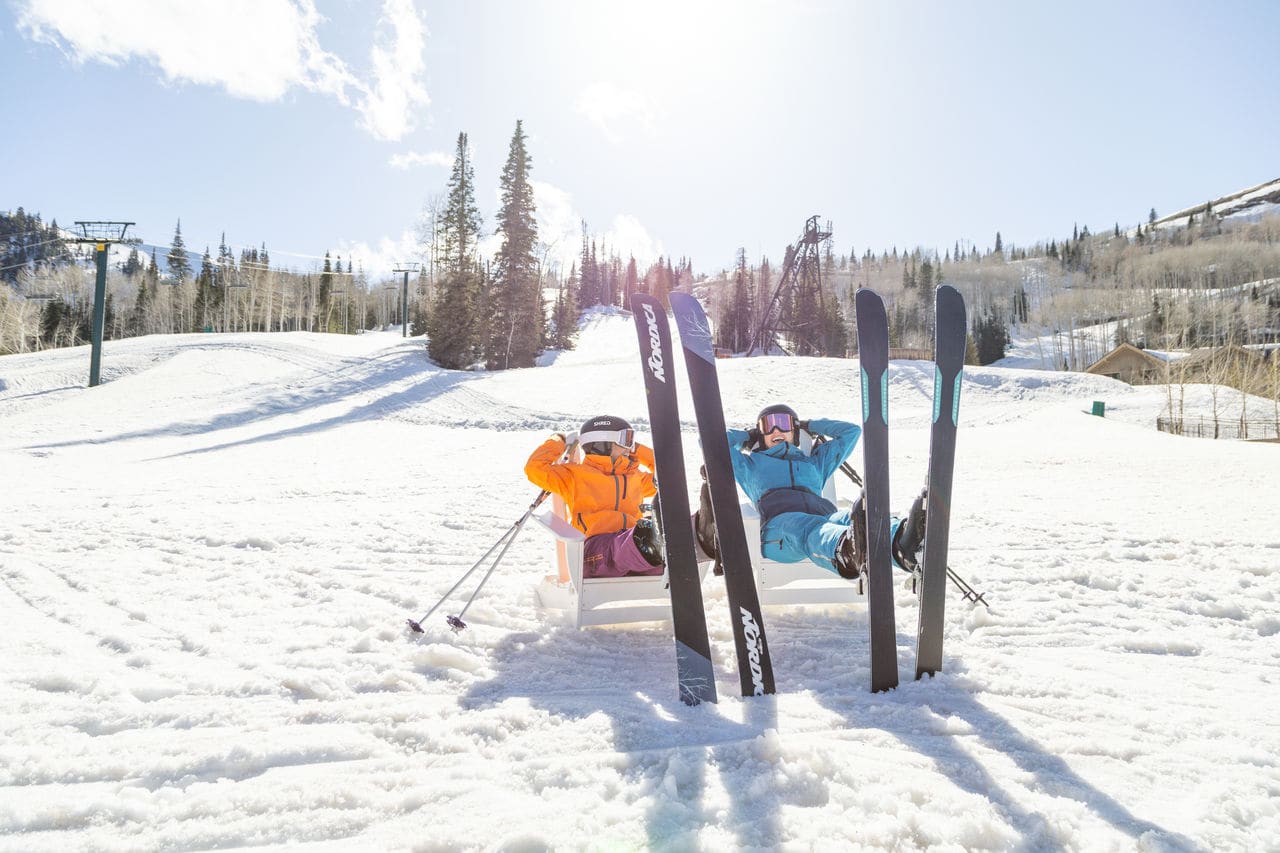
(208, 560)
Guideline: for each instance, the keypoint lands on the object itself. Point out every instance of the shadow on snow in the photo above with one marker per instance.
(628, 675)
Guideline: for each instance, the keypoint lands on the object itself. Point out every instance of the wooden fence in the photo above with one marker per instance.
(1202, 427)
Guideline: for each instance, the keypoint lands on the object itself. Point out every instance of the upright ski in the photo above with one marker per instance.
(873, 359)
(694, 672)
(755, 669)
(948, 364)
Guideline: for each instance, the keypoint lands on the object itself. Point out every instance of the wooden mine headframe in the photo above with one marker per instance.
(795, 310)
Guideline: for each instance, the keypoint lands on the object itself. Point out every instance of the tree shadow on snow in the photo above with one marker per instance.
(672, 755)
(365, 385)
(628, 675)
(936, 718)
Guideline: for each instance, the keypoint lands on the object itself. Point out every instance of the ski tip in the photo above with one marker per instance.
(950, 296)
(415, 627)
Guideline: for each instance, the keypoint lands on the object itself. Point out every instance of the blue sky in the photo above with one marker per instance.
(683, 129)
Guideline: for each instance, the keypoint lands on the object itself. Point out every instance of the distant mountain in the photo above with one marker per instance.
(119, 254)
(194, 259)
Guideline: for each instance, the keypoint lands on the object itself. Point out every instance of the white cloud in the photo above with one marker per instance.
(254, 49)
(560, 229)
(378, 259)
(398, 69)
(614, 109)
(628, 236)
(411, 159)
(559, 224)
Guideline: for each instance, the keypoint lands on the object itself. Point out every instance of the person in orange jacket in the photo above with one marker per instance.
(603, 493)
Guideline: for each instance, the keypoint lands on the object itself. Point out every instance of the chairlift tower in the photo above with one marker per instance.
(406, 268)
(100, 234)
(795, 310)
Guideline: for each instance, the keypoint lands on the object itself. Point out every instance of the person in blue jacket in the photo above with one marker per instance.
(785, 485)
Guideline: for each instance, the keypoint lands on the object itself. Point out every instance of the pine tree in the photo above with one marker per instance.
(146, 295)
(734, 327)
(516, 316)
(453, 327)
(461, 219)
(589, 290)
(200, 316)
(835, 331)
(179, 264)
(633, 281)
(991, 337)
(323, 299)
(764, 293)
(661, 284)
(564, 320)
(132, 265)
(51, 320)
(564, 317)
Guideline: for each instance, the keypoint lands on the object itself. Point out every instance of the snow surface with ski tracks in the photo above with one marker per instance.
(208, 560)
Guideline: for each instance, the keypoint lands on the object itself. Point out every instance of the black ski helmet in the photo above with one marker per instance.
(603, 423)
(777, 409)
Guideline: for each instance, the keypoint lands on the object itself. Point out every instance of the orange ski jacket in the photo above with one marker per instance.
(603, 494)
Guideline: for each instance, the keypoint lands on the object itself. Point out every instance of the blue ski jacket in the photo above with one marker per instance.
(782, 478)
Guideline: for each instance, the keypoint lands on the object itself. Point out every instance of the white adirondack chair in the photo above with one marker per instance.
(794, 583)
(595, 601)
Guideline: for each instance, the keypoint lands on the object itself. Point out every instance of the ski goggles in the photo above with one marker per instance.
(778, 421)
(622, 437)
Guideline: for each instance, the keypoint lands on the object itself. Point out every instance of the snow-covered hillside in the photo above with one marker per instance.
(1249, 203)
(207, 563)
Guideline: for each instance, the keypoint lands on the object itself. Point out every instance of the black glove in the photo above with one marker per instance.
(754, 437)
(804, 426)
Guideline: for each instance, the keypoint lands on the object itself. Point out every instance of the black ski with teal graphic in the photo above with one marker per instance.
(755, 669)
(948, 366)
(694, 673)
(873, 360)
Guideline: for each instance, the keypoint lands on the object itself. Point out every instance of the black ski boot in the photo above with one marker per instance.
(704, 525)
(910, 537)
(645, 535)
(851, 553)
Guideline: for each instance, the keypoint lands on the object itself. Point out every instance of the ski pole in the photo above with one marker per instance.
(455, 622)
(970, 594)
(508, 537)
(967, 591)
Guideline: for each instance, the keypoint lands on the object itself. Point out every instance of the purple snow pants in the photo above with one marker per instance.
(614, 555)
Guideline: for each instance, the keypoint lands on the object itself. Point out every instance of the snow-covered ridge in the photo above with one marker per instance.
(1252, 201)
